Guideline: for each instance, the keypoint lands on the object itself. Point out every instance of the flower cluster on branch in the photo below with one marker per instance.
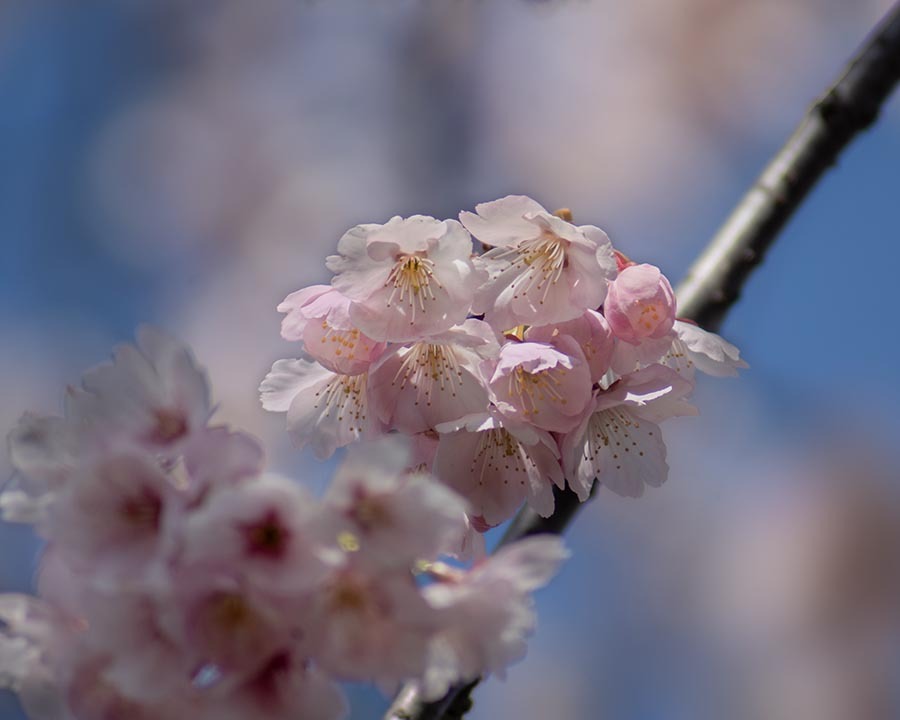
(181, 580)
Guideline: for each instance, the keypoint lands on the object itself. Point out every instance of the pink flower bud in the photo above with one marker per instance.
(640, 304)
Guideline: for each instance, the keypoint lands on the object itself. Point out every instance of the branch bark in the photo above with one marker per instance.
(714, 282)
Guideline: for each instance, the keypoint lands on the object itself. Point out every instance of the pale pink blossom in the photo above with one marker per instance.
(262, 530)
(418, 386)
(619, 443)
(590, 332)
(125, 628)
(91, 695)
(319, 317)
(543, 385)
(694, 348)
(325, 410)
(109, 519)
(153, 394)
(686, 348)
(222, 624)
(34, 635)
(487, 615)
(369, 625)
(407, 279)
(219, 457)
(43, 452)
(497, 463)
(284, 688)
(541, 268)
(396, 516)
(640, 304)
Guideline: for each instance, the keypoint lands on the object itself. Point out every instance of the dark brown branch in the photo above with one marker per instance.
(715, 280)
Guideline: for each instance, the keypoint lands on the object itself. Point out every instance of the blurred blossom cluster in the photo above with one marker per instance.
(178, 581)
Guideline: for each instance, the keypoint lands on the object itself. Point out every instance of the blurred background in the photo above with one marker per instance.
(188, 163)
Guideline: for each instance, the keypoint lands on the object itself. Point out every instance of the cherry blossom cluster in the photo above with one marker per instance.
(549, 359)
(181, 581)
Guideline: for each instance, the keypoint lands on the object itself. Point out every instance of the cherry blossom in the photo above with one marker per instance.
(319, 316)
(397, 514)
(696, 348)
(173, 555)
(153, 394)
(488, 613)
(416, 387)
(541, 384)
(496, 463)
(619, 442)
(542, 269)
(640, 304)
(326, 410)
(368, 625)
(407, 279)
(590, 332)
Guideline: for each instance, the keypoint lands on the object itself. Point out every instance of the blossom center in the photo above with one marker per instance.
(429, 368)
(411, 278)
(534, 389)
(498, 453)
(169, 425)
(344, 396)
(541, 261)
(343, 343)
(370, 512)
(267, 537)
(142, 510)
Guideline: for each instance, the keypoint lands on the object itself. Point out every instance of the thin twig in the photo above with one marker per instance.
(715, 280)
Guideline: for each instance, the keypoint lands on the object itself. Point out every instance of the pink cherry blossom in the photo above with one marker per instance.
(418, 386)
(110, 517)
(407, 279)
(264, 530)
(640, 304)
(284, 688)
(43, 452)
(219, 457)
(34, 635)
(319, 316)
(497, 463)
(395, 515)
(153, 394)
(324, 409)
(541, 268)
(543, 385)
(367, 625)
(126, 629)
(590, 332)
(696, 348)
(619, 442)
(487, 615)
(222, 623)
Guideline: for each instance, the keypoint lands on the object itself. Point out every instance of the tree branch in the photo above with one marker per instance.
(714, 281)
